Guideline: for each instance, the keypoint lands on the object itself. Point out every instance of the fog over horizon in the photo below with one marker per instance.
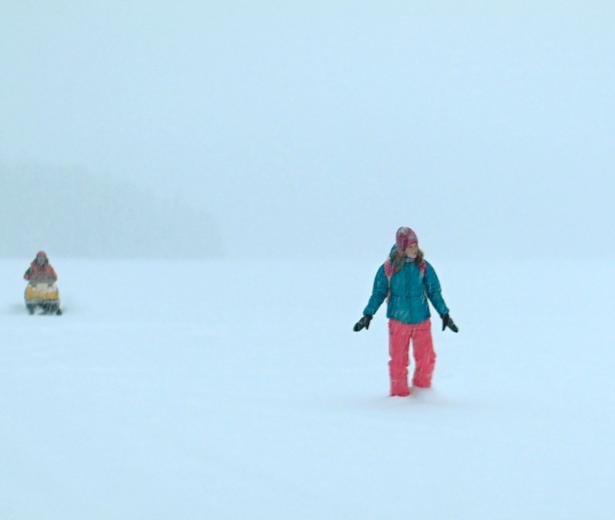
(70, 212)
(268, 130)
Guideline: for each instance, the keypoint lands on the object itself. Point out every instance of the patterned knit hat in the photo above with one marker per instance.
(405, 237)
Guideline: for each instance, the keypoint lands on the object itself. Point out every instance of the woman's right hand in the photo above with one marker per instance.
(363, 323)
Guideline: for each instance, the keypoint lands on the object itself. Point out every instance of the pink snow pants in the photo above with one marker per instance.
(400, 335)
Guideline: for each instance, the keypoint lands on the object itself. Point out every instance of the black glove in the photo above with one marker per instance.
(362, 323)
(447, 321)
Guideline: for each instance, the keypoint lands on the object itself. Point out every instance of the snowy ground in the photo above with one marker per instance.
(226, 390)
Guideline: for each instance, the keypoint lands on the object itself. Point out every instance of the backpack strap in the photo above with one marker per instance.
(422, 269)
(388, 271)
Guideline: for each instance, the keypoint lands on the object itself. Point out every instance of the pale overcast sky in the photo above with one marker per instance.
(308, 129)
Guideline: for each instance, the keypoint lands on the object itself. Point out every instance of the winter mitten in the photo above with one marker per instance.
(447, 321)
(363, 323)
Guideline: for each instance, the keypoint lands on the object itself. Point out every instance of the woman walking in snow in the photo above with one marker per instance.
(407, 280)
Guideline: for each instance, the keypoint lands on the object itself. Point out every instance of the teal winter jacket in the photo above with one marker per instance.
(410, 290)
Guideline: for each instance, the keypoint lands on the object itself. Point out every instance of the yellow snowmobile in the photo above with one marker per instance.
(45, 296)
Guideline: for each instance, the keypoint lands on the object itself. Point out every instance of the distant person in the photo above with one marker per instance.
(407, 280)
(40, 270)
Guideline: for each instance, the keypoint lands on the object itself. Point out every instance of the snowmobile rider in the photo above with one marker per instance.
(406, 280)
(40, 270)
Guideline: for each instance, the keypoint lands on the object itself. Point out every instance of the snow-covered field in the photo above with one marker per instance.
(237, 389)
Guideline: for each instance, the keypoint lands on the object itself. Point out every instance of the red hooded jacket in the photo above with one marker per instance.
(40, 273)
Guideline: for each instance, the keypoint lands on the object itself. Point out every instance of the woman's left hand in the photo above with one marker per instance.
(447, 321)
